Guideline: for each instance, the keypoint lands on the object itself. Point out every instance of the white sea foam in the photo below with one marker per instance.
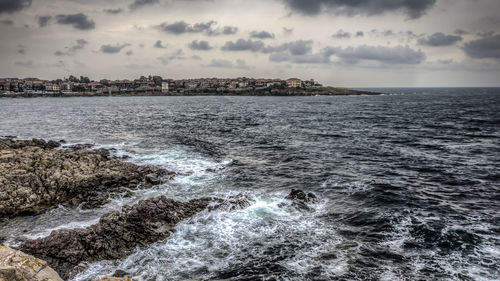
(219, 241)
(193, 173)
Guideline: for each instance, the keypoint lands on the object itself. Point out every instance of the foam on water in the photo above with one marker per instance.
(410, 178)
(193, 173)
(217, 243)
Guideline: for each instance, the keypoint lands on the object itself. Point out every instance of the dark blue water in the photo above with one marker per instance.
(409, 182)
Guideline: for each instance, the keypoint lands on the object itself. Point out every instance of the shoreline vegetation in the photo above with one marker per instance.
(323, 91)
(37, 176)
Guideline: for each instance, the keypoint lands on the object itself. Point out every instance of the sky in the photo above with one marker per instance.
(362, 43)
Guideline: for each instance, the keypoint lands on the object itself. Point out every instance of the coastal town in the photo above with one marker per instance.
(149, 84)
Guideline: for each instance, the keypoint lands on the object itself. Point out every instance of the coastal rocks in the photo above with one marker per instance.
(299, 195)
(35, 176)
(16, 265)
(11, 143)
(300, 199)
(117, 233)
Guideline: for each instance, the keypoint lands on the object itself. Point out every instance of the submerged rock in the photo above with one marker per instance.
(117, 233)
(35, 176)
(16, 265)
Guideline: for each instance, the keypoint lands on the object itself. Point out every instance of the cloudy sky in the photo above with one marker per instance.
(359, 43)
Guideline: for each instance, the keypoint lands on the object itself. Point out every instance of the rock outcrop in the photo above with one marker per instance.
(300, 199)
(16, 265)
(34, 176)
(117, 233)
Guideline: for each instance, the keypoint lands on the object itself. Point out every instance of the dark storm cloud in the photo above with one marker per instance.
(229, 30)
(202, 26)
(141, 3)
(221, 63)
(44, 20)
(79, 45)
(243, 45)
(341, 34)
(388, 55)
(78, 21)
(7, 22)
(199, 46)
(360, 34)
(129, 53)
(488, 47)
(181, 27)
(113, 11)
(412, 8)
(159, 45)
(439, 39)
(12, 6)
(353, 55)
(110, 49)
(261, 35)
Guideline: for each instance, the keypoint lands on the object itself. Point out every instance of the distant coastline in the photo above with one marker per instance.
(324, 91)
(157, 86)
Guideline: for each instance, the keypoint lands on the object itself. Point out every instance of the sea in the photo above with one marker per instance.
(408, 182)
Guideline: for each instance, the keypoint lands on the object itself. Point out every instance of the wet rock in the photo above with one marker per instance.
(79, 146)
(300, 199)
(117, 233)
(34, 176)
(16, 265)
(12, 143)
(232, 203)
(120, 273)
(299, 195)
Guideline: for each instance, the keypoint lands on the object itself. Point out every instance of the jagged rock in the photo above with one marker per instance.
(80, 146)
(16, 265)
(120, 273)
(35, 176)
(117, 233)
(300, 199)
(299, 195)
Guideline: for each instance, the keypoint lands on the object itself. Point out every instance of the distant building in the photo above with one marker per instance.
(164, 86)
(293, 83)
(55, 87)
(66, 86)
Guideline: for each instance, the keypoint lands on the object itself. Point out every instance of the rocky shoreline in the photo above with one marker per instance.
(36, 175)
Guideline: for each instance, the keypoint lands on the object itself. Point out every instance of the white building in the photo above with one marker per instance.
(164, 87)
